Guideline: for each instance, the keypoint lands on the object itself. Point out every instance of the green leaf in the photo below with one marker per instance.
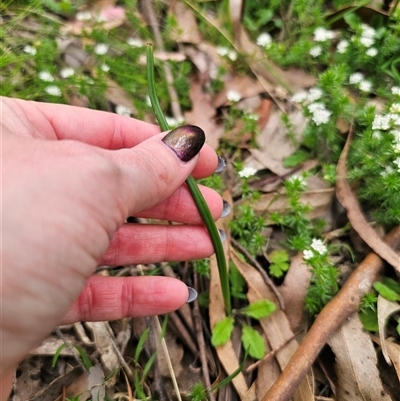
(57, 354)
(279, 256)
(253, 343)
(222, 331)
(259, 309)
(84, 356)
(295, 159)
(236, 279)
(392, 284)
(369, 320)
(386, 292)
(398, 326)
(277, 270)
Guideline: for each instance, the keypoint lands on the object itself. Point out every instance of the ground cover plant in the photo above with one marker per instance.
(302, 100)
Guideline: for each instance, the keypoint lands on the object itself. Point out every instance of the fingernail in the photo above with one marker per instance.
(222, 234)
(192, 294)
(221, 165)
(226, 208)
(185, 141)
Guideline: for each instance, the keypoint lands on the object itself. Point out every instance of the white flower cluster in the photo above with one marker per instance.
(396, 90)
(366, 38)
(224, 51)
(28, 49)
(297, 179)
(385, 122)
(105, 67)
(135, 42)
(317, 248)
(247, 172)
(322, 35)
(122, 110)
(342, 46)
(84, 16)
(101, 49)
(363, 84)
(233, 96)
(46, 76)
(264, 40)
(320, 114)
(315, 51)
(53, 90)
(67, 72)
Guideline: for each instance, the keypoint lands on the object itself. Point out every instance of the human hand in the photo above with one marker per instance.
(71, 177)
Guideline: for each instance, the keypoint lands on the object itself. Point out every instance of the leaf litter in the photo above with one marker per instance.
(292, 347)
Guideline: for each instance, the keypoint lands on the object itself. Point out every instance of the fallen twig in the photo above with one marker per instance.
(331, 317)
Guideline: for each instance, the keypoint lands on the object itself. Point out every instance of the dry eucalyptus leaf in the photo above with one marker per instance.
(385, 310)
(393, 350)
(274, 145)
(187, 30)
(96, 382)
(355, 355)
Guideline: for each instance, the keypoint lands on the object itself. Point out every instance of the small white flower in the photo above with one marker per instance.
(316, 51)
(314, 94)
(252, 116)
(396, 148)
(46, 76)
(356, 78)
(316, 106)
(173, 122)
(232, 55)
(247, 172)
(53, 90)
(84, 16)
(321, 116)
(319, 246)
(67, 72)
(396, 134)
(372, 52)
(30, 50)
(264, 40)
(397, 163)
(101, 48)
(365, 86)
(122, 110)
(135, 42)
(377, 135)
(381, 122)
(366, 41)
(308, 254)
(367, 31)
(105, 67)
(233, 96)
(322, 35)
(388, 170)
(298, 179)
(299, 97)
(222, 51)
(395, 108)
(395, 90)
(88, 80)
(342, 46)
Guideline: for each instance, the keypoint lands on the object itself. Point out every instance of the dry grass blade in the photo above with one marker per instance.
(331, 317)
(357, 219)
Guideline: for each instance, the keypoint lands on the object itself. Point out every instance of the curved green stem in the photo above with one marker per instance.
(194, 189)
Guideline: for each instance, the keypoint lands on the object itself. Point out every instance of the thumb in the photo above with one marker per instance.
(157, 167)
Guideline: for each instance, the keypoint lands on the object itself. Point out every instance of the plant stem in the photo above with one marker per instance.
(194, 189)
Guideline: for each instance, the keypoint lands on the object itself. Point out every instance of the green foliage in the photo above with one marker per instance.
(222, 331)
(259, 309)
(253, 342)
(279, 263)
(369, 320)
(388, 288)
(237, 282)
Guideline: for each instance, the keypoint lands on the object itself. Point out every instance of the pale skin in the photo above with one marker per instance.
(70, 178)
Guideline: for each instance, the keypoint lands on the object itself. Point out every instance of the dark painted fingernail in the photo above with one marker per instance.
(186, 141)
(221, 165)
(222, 234)
(226, 208)
(192, 294)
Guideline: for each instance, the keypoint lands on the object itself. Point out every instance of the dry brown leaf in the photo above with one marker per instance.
(187, 30)
(356, 217)
(293, 291)
(355, 356)
(385, 310)
(274, 145)
(393, 351)
(243, 84)
(226, 353)
(203, 113)
(106, 346)
(175, 352)
(276, 328)
(117, 95)
(96, 382)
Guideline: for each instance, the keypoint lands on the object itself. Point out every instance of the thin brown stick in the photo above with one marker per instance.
(148, 10)
(201, 343)
(331, 317)
(261, 270)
